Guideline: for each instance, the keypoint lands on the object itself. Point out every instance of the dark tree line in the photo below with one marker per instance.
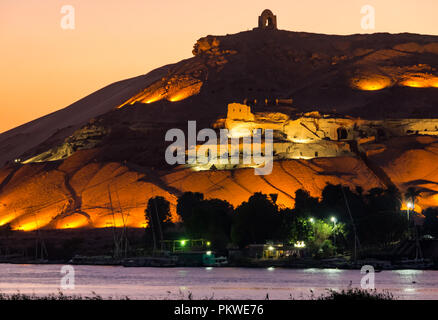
(209, 219)
(373, 218)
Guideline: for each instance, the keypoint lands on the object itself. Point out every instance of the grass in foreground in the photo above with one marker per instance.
(351, 294)
(355, 294)
(53, 296)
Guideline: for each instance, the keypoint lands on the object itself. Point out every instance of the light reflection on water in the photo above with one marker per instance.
(220, 283)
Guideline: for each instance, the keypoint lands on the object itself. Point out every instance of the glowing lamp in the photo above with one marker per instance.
(300, 244)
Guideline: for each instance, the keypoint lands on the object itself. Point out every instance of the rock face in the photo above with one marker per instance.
(83, 192)
(51, 129)
(98, 161)
(87, 137)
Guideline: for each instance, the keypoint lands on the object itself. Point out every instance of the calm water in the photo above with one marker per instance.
(221, 283)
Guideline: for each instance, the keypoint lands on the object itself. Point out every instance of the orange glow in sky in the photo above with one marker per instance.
(45, 68)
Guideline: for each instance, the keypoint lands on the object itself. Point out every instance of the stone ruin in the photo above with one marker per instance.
(314, 135)
(267, 20)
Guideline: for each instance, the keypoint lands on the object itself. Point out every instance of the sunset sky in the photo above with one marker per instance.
(45, 68)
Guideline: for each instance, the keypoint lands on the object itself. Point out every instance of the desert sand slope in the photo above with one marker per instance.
(81, 192)
(64, 122)
(412, 162)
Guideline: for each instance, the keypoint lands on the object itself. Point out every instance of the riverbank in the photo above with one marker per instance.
(158, 262)
(95, 246)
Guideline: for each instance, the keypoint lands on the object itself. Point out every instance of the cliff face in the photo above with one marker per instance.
(371, 76)
(81, 192)
(47, 131)
(84, 191)
(104, 154)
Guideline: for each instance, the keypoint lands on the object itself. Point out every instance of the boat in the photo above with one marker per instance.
(212, 261)
(220, 262)
(94, 260)
(150, 262)
(413, 264)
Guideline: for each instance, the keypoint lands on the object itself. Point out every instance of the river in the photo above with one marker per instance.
(203, 283)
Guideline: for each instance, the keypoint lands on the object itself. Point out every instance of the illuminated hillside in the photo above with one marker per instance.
(98, 161)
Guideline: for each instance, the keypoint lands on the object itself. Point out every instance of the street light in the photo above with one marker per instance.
(312, 220)
(410, 206)
(300, 244)
(333, 219)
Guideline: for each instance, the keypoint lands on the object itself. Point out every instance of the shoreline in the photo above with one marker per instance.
(259, 265)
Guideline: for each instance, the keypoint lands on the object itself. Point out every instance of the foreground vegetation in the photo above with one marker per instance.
(355, 294)
(351, 294)
(52, 296)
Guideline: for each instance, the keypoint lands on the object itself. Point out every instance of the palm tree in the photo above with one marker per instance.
(411, 195)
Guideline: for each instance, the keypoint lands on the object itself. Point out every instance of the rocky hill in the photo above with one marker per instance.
(105, 153)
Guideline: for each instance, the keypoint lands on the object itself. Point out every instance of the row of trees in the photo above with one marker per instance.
(341, 217)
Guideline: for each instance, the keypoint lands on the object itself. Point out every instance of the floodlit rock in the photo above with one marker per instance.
(358, 110)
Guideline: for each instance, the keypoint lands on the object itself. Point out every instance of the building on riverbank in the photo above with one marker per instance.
(275, 251)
